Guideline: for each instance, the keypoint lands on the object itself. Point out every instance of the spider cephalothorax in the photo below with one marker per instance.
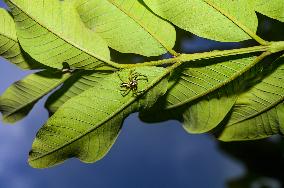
(132, 83)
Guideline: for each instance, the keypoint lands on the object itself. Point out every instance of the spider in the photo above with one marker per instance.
(132, 83)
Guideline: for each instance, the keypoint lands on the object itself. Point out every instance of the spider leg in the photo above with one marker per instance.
(135, 91)
(124, 85)
(125, 92)
(120, 77)
(140, 92)
(142, 76)
(130, 77)
(124, 88)
(135, 74)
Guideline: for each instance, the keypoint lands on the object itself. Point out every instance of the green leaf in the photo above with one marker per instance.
(258, 112)
(77, 84)
(272, 8)
(199, 82)
(213, 19)
(128, 26)
(52, 33)
(263, 125)
(9, 45)
(207, 113)
(17, 101)
(87, 125)
(198, 116)
(203, 77)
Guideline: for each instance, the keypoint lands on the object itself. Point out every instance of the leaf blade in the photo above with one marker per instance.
(205, 18)
(273, 8)
(52, 145)
(257, 113)
(204, 77)
(57, 34)
(74, 86)
(17, 101)
(207, 113)
(9, 46)
(119, 23)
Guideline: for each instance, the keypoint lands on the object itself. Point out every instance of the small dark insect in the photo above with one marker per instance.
(132, 83)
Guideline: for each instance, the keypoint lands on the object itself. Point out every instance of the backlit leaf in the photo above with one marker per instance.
(202, 77)
(51, 32)
(128, 26)
(77, 84)
(9, 45)
(210, 111)
(258, 112)
(17, 101)
(212, 19)
(271, 8)
(87, 125)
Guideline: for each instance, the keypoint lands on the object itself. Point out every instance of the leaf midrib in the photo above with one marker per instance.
(9, 37)
(273, 105)
(234, 77)
(230, 17)
(117, 112)
(37, 98)
(143, 26)
(68, 42)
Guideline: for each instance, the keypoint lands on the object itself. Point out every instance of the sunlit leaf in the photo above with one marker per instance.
(271, 8)
(202, 77)
(17, 101)
(9, 45)
(258, 112)
(210, 111)
(128, 26)
(87, 125)
(198, 116)
(195, 85)
(51, 32)
(77, 84)
(212, 19)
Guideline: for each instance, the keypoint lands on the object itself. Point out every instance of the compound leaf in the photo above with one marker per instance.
(195, 85)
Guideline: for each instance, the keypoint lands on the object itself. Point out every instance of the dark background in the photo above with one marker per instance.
(146, 156)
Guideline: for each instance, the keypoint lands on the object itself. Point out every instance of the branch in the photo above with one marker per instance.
(273, 47)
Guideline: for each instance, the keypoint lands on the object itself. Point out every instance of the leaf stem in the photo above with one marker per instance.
(272, 47)
(224, 53)
(198, 56)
